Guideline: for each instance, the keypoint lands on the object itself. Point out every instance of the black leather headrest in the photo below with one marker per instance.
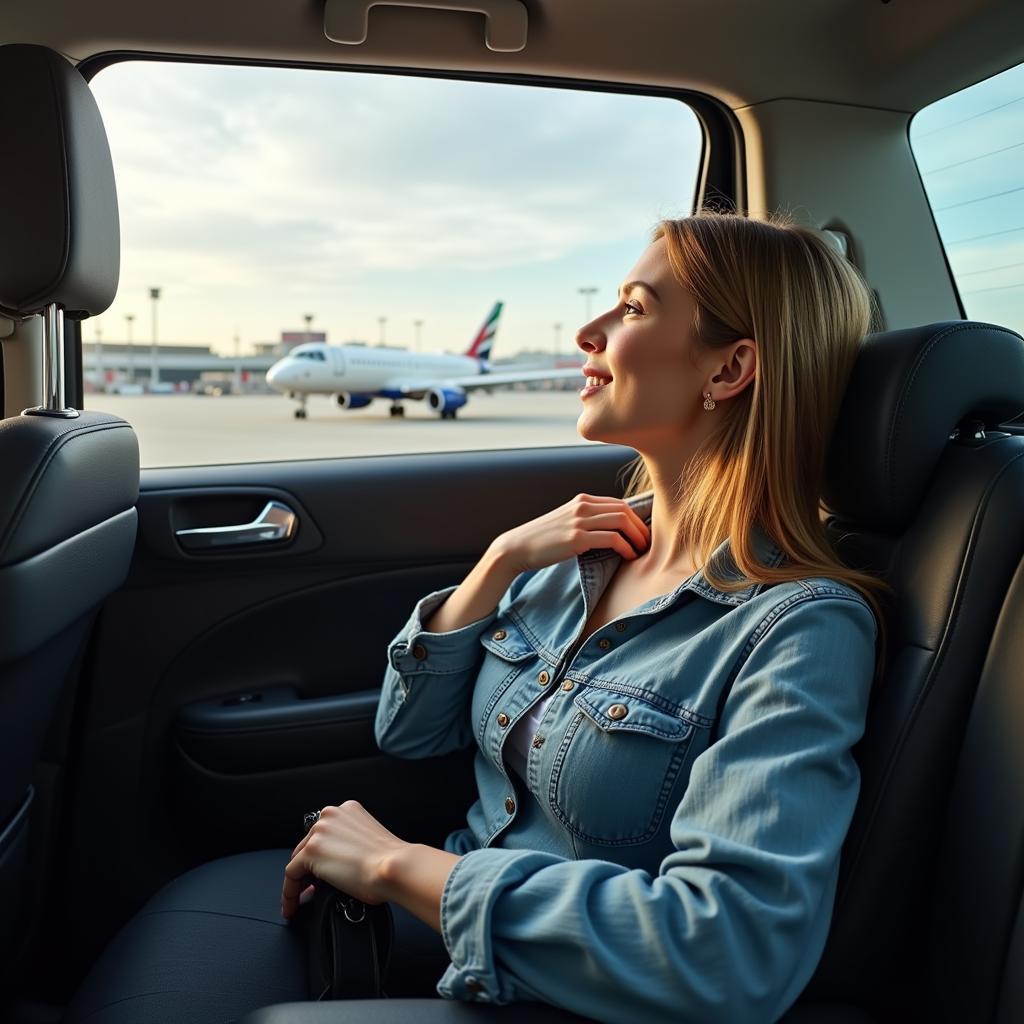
(59, 234)
(62, 477)
(907, 393)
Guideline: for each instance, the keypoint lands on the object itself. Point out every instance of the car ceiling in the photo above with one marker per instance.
(895, 54)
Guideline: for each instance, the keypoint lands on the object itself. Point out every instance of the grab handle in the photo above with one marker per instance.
(347, 21)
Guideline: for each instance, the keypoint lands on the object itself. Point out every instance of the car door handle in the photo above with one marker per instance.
(276, 522)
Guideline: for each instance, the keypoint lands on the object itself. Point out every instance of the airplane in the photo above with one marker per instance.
(357, 374)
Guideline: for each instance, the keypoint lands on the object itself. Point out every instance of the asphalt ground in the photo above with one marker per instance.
(195, 430)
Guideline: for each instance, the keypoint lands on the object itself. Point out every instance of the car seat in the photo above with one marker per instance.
(70, 478)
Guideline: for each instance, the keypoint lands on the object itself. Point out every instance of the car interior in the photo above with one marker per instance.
(152, 721)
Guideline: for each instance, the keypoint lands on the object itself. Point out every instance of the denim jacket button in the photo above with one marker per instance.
(543, 678)
(618, 711)
(620, 627)
(510, 804)
(568, 684)
(502, 719)
(419, 652)
(604, 643)
(499, 635)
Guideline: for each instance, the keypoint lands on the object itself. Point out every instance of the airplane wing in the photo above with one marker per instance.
(487, 380)
(417, 388)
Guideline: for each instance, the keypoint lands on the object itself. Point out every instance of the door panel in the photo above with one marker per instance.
(229, 691)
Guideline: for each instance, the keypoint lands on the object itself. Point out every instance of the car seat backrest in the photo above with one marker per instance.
(923, 489)
(976, 962)
(70, 479)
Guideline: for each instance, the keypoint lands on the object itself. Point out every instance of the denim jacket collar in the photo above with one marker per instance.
(765, 548)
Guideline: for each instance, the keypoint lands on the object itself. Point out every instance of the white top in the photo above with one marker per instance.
(517, 746)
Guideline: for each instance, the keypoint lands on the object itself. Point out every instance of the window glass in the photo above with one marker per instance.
(970, 150)
(381, 240)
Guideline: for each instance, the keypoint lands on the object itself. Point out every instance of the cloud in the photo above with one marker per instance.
(246, 181)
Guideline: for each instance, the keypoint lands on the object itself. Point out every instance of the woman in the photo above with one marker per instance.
(664, 689)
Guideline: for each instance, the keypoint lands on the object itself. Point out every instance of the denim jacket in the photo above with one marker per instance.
(672, 854)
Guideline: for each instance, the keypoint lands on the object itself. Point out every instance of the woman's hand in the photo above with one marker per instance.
(346, 848)
(584, 522)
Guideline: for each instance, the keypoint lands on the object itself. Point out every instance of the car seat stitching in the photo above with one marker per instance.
(217, 913)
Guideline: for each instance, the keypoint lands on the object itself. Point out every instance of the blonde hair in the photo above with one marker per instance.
(807, 308)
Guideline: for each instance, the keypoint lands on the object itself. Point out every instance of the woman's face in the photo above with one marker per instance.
(658, 372)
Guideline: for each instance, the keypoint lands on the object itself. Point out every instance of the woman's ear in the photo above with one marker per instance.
(737, 371)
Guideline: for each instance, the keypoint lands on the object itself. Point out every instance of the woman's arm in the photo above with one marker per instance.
(414, 876)
(477, 596)
(584, 522)
(424, 705)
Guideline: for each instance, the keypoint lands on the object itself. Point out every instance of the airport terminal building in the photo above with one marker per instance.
(120, 367)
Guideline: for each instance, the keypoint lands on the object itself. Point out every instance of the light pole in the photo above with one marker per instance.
(418, 324)
(587, 293)
(154, 369)
(382, 320)
(308, 317)
(237, 387)
(99, 357)
(558, 334)
(129, 320)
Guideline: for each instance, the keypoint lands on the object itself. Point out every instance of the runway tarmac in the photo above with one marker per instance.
(194, 430)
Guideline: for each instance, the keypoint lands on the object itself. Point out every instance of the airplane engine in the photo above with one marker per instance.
(446, 401)
(349, 401)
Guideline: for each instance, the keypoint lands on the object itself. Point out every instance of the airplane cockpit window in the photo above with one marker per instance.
(435, 242)
(969, 148)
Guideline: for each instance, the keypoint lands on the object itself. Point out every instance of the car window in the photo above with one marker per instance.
(969, 148)
(361, 248)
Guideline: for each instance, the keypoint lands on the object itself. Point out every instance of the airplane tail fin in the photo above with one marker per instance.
(481, 347)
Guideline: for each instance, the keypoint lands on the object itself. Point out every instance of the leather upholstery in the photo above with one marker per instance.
(436, 1011)
(67, 505)
(977, 939)
(62, 477)
(950, 565)
(58, 202)
(67, 531)
(950, 570)
(908, 390)
(420, 1011)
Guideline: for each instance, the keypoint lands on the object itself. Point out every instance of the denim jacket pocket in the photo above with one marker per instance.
(616, 766)
(504, 639)
(507, 652)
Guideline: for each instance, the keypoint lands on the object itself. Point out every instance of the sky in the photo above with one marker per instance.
(969, 149)
(253, 196)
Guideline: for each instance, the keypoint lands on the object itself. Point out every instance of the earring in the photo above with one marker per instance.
(709, 402)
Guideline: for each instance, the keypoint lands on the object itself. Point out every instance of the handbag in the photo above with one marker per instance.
(348, 944)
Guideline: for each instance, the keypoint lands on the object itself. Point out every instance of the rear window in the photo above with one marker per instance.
(378, 233)
(970, 151)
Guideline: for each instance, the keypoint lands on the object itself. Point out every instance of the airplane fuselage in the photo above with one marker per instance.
(319, 368)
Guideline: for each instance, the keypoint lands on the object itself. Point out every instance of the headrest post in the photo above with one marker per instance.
(53, 366)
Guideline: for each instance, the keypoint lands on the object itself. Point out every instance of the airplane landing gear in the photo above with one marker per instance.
(300, 413)
(448, 414)
(397, 409)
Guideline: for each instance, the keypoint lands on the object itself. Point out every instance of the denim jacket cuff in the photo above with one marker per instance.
(467, 902)
(415, 651)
